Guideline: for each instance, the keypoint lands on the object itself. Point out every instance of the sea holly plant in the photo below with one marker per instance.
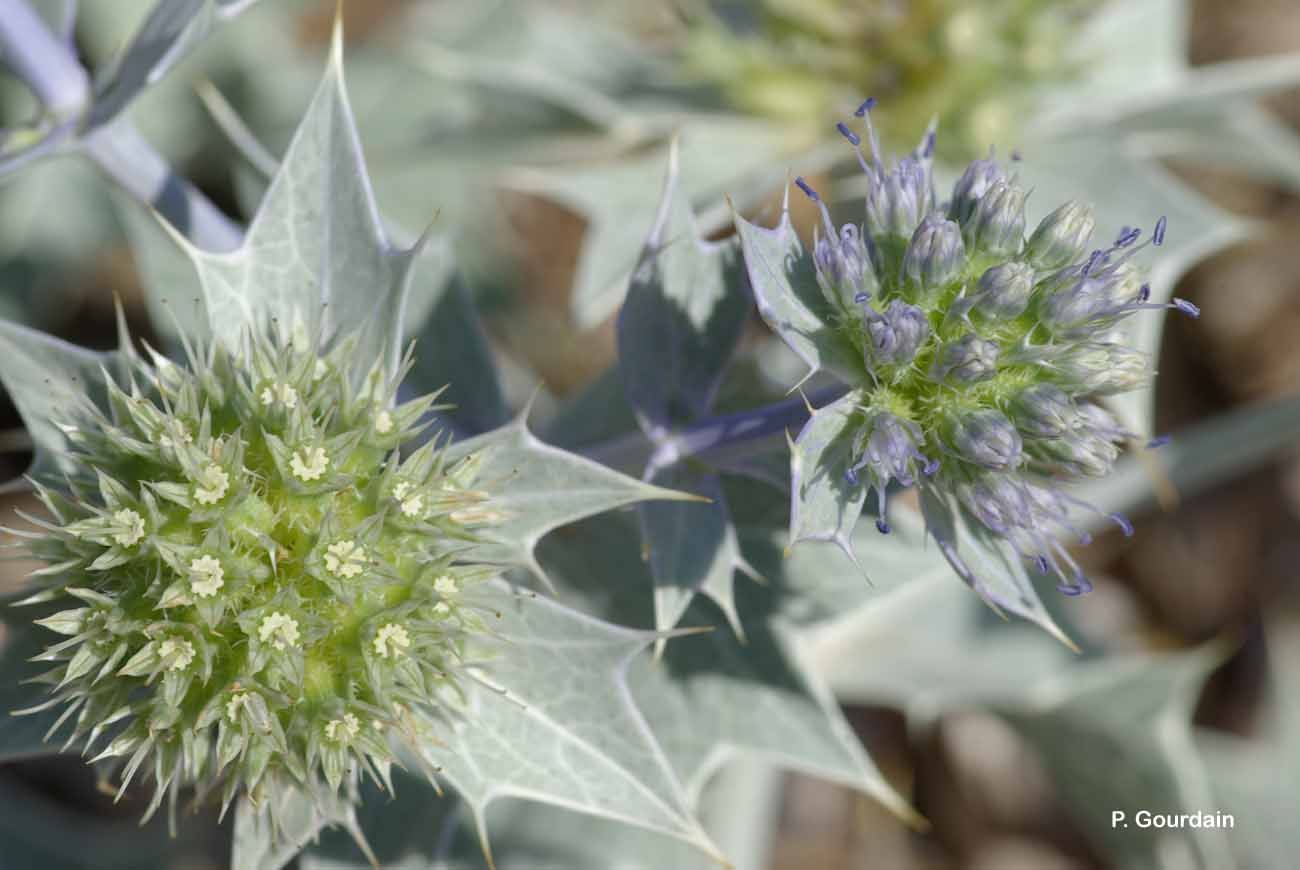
(977, 356)
(260, 585)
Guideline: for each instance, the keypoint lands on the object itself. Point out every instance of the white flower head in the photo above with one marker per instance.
(206, 576)
(238, 701)
(441, 608)
(391, 639)
(345, 559)
(340, 730)
(446, 586)
(133, 525)
(279, 630)
(176, 653)
(309, 463)
(413, 506)
(383, 422)
(282, 393)
(319, 370)
(212, 485)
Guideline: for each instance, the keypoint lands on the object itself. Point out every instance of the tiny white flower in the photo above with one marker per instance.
(345, 559)
(391, 639)
(134, 524)
(445, 586)
(320, 370)
(237, 702)
(309, 463)
(206, 576)
(278, 629)
(412, 506)
(441, 608)
(343, 729)
(383, 423)
(401, 489)
(176, 652)
(212, 485)
(282, 393)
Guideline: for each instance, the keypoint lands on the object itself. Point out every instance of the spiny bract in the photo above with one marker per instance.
(984, 354)
(265, 588)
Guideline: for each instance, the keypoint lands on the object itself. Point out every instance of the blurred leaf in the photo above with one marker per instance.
(598, 413)
(1258, 780)
(172, 29)
(20, 640)
(452, 351)
(1135, 714)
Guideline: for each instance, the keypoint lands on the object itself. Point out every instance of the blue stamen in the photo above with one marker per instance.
(1158, 234)
(861, 298)
(1124, 525)
(1127, 236)
(1159, 441)
(928, 148)
(854, 139)
(807, 189)
(1144, 293)
(882, 526)
(867, 105)
(1186, 307)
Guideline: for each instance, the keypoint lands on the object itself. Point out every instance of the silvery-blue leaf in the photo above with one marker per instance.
(986, 563)
(257, 845)
(711, 697)
(785, 289)
(316, 254)
(597, 413)
(682, 318)
(824, 504)
(543, 487)
(692, 547)
(555, 721)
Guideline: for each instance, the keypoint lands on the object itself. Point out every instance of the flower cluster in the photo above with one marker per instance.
(265, 589)
(985, 351)
(973, 64)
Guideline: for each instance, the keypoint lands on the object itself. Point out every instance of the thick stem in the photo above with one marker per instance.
(125, 156)
(59, 81)
(42, 60)
(713, 438)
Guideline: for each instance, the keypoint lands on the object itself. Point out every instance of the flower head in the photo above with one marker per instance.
(984, 353)
(242, 684)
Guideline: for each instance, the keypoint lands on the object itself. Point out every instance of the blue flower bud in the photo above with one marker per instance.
(898, 200)
(985, 438)
(971, 187)
(1003, 291)
(896, 334)
(966, 360)
(1043, 411)
(843, 266)
(935, 255)
(997, 225)
(888, 449)
(1062, 237)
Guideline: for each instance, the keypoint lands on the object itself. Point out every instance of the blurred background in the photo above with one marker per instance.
(535, 130)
